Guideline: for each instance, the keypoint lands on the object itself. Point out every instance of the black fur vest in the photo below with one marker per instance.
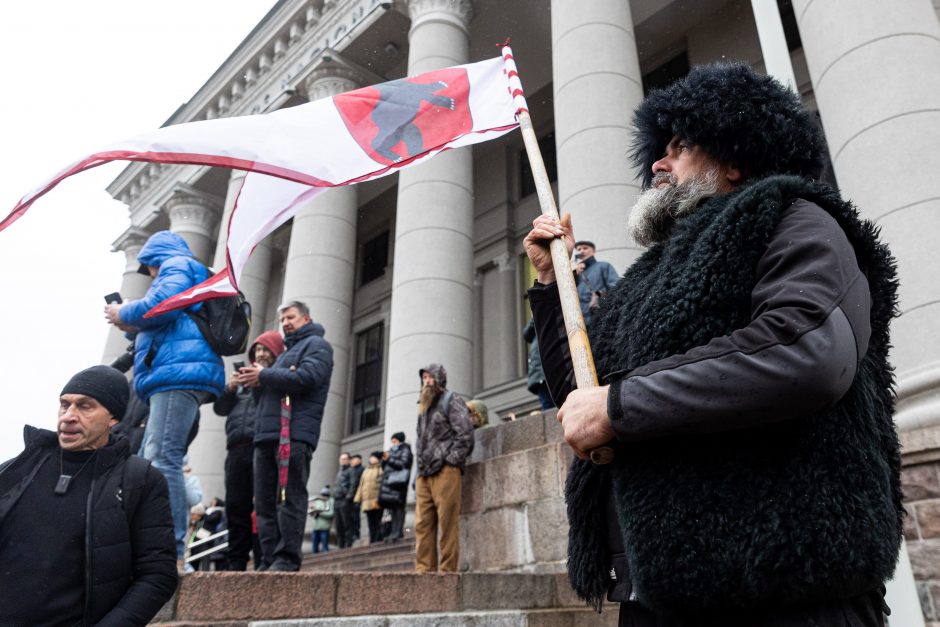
(798, 511)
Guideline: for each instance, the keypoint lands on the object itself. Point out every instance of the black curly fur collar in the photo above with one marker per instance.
(794, 512)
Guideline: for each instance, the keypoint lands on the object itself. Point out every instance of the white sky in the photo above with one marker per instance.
(78, 75)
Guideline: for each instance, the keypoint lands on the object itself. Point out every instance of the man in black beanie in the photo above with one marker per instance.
(746, 389)
(86, 535)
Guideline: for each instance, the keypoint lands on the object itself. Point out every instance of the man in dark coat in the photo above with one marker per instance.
(86, 535)
(355, 510)
(594, 278)
(239, 406)
(301, 374)
(342, 500)
(393, 492)
(746, 390)
(445, 440)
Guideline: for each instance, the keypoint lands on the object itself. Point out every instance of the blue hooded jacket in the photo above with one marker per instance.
(182, 359)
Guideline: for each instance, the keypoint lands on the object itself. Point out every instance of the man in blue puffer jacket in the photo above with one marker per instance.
(175, 369)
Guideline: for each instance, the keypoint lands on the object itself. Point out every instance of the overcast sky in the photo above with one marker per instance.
(78, 75)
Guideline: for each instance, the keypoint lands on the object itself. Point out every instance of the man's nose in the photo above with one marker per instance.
(661, 166)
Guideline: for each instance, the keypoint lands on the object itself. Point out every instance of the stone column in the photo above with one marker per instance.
(432, 290)
(256, 273)
(773, 42)
(506, 326)
(194, 215)
(876, 78)
(133, 286)
(321, 272)
(597, 85)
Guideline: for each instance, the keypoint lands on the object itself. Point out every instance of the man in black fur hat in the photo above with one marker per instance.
(747, 392)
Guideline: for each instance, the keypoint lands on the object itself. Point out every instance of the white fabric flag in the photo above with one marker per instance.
(292, 154)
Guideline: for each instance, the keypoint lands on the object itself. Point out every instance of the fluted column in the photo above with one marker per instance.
(194, 215)
(876, 78)
(256, 274)
(133, 285)
(597, 85)
(432, 293)
(321, 264)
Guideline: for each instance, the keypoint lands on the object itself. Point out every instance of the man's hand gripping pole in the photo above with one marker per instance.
(581, 357)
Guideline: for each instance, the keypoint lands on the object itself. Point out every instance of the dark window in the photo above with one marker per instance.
(374, 258)
(790, 30)
(667, 73)
(547, 148)
(367, 389)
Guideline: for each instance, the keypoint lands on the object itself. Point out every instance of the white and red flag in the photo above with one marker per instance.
(293, 154)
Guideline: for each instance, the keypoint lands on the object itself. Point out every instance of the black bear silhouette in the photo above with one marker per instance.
(394, 115)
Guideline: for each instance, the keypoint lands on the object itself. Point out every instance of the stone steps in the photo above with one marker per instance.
(379, 557)
(230, 599)
(581, 617)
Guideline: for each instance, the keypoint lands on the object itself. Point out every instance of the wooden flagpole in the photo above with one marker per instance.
(582, 359)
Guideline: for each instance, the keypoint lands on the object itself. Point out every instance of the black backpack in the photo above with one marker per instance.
(225, 322)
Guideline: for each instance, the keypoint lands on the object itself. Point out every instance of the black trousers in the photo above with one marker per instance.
(239, 489)
(398, 523)
(281, 523)
(374, 518)
(340, 521)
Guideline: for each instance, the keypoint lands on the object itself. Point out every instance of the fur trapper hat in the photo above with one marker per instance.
(740, 118)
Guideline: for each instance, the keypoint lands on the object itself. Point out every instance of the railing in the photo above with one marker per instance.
(215, 549)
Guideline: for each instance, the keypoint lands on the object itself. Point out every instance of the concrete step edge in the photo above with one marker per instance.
(467, 618)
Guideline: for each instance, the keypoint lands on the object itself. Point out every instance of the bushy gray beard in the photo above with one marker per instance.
(429, 395)
(657, 209)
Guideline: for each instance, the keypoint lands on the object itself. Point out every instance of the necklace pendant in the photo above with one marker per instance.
(62, 485)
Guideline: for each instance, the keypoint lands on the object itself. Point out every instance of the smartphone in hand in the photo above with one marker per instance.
(238, 365)
(114, 298)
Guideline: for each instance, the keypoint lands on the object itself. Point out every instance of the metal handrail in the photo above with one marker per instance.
(212, 550)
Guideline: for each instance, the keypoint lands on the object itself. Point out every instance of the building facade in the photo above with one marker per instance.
(427, 265)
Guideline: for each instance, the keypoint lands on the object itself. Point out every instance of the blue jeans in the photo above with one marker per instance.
(172, 415)
(321, 538)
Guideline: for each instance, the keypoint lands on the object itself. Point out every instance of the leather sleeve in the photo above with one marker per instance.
(808, 332)
(552, 340)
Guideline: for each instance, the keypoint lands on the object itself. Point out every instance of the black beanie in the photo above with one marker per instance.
(399, 435)
(104, 384)
(737, 116)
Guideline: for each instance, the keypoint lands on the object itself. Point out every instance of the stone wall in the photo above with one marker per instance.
(921, 482)
(513, 514)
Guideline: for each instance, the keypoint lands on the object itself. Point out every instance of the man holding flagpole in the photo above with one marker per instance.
(755, 479)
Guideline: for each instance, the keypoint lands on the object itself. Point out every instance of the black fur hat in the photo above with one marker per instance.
(737, 116)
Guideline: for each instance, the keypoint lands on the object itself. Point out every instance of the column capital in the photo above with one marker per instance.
(327, 81)
(192, 210)
(455, 12)
(130, 241)
(334, 74)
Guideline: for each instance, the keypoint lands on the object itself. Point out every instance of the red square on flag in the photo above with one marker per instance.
(398, 120)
